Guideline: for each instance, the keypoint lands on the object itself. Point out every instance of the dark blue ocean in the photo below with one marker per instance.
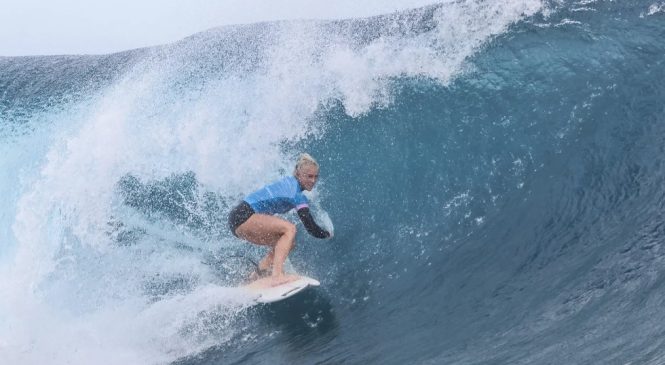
(494, 173)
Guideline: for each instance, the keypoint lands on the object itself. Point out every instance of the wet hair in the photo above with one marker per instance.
(305, 159)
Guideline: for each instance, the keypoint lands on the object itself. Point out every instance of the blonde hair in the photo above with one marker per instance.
(305, 159)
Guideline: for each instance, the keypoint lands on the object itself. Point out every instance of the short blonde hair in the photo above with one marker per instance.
(305, 159)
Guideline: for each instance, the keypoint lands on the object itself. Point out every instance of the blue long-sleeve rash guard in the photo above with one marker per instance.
(280, 197)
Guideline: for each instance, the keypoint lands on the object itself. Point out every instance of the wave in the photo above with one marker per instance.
(492, 172)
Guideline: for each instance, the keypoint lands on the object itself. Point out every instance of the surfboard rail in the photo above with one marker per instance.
(270, 294)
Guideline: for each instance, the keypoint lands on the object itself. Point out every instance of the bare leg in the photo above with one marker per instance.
(282, 249)
(266, 262)
(271, 231)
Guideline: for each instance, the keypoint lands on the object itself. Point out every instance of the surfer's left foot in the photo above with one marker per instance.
(258, 274)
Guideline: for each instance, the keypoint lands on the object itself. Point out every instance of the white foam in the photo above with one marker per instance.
(656, 8)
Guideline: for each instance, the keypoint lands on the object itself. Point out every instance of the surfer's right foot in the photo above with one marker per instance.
(281, 279)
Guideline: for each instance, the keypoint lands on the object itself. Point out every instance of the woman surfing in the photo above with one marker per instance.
(253, 219)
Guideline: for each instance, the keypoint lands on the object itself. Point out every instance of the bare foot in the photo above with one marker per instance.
(281, 279)
(258, 274)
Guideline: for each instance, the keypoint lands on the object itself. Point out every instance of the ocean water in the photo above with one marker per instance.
(494, 173)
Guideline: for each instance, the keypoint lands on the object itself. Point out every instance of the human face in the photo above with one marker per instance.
(307, 176)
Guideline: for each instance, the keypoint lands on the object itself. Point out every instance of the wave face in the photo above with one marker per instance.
(495, 173)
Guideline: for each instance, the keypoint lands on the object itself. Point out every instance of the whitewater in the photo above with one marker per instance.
(494, 173)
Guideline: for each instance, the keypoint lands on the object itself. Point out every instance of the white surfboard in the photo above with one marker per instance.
(269, 294)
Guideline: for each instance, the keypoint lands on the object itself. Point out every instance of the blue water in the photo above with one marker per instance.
(494, 175)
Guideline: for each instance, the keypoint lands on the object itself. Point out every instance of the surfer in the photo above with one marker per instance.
(253, 219)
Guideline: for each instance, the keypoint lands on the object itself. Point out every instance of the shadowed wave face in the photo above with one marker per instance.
(494, 174)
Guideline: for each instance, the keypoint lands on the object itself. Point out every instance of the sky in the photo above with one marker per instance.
(47, 27)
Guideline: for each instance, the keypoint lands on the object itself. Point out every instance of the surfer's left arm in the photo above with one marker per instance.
(311, 226)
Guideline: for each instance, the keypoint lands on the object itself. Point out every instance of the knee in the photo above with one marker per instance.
(290, 230)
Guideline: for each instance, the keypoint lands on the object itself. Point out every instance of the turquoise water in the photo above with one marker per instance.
(493, 173)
